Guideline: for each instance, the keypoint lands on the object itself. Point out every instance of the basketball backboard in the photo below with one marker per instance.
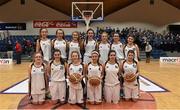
(81, 10)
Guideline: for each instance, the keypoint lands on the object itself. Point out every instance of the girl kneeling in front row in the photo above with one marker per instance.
(37, 79)
(112, 83)
(94, 73)
(57, 73)
(129, 68)
(75, 69)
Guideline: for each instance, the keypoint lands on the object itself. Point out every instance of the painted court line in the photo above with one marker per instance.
(145, 85)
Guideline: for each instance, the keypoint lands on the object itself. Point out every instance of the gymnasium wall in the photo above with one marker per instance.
(140, 14)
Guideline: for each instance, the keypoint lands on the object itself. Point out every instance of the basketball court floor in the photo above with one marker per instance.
(159, 88)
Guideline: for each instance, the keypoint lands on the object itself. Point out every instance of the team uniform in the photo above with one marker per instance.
(89, 47)
(119, 51)
(127, 48)
(94, 93)
(112, 83)
(103, 51)
(131, 89)
(75, 90)
(73, 47)
(61, 45)
(45, 46)
(57, 84)
(37, 83)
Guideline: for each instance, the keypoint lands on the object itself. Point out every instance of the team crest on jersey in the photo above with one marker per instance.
(134, 49)
(80, 69)
(89, 68)
(42, 70)
(116, 66)
(61, 67)
(52, 69)
(64, 42)
(34, 70)
(125, 66)
(107, 66)
(134, 66)
(70, 68)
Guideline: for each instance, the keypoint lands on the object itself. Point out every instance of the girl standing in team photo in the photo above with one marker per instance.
(94, 73)
(131, 46)
(75, 45)
(103, 47)
(111, 79)
(118, 47)
(60, 43)
(37, 79)
(57, 78)
(43, 44)
(89, 45)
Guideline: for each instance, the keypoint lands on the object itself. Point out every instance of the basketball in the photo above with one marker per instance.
(74, 78)
(130, 77)
(94, 80)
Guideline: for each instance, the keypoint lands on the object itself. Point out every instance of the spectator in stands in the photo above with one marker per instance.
(18, 48)
(148, 50)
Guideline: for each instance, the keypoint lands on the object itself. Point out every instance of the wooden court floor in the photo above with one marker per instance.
(167, 76)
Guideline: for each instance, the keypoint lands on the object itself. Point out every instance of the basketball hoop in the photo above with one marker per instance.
(87, 12)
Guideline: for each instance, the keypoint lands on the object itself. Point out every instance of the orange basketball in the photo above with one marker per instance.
(74, 78)
(130, 77)
(94, 80)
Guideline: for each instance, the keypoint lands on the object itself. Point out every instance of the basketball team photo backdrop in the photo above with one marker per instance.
(66, 54)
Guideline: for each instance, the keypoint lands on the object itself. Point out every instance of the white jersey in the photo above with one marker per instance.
(46, 49)
(103, 51)
(89, 47)
(119, 50)
(37, 80)
(130, 68)
(78, 69)
(111, 77)
(57, 72)
(61, 45)
(94, 70)
(127, 48)
(74, 47)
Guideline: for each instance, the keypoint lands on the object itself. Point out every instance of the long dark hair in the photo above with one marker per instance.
(40, 32)
(131, 51)
(130, 35)
(90, 29)
(62, 31)
(61, 59)
(111, 51)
